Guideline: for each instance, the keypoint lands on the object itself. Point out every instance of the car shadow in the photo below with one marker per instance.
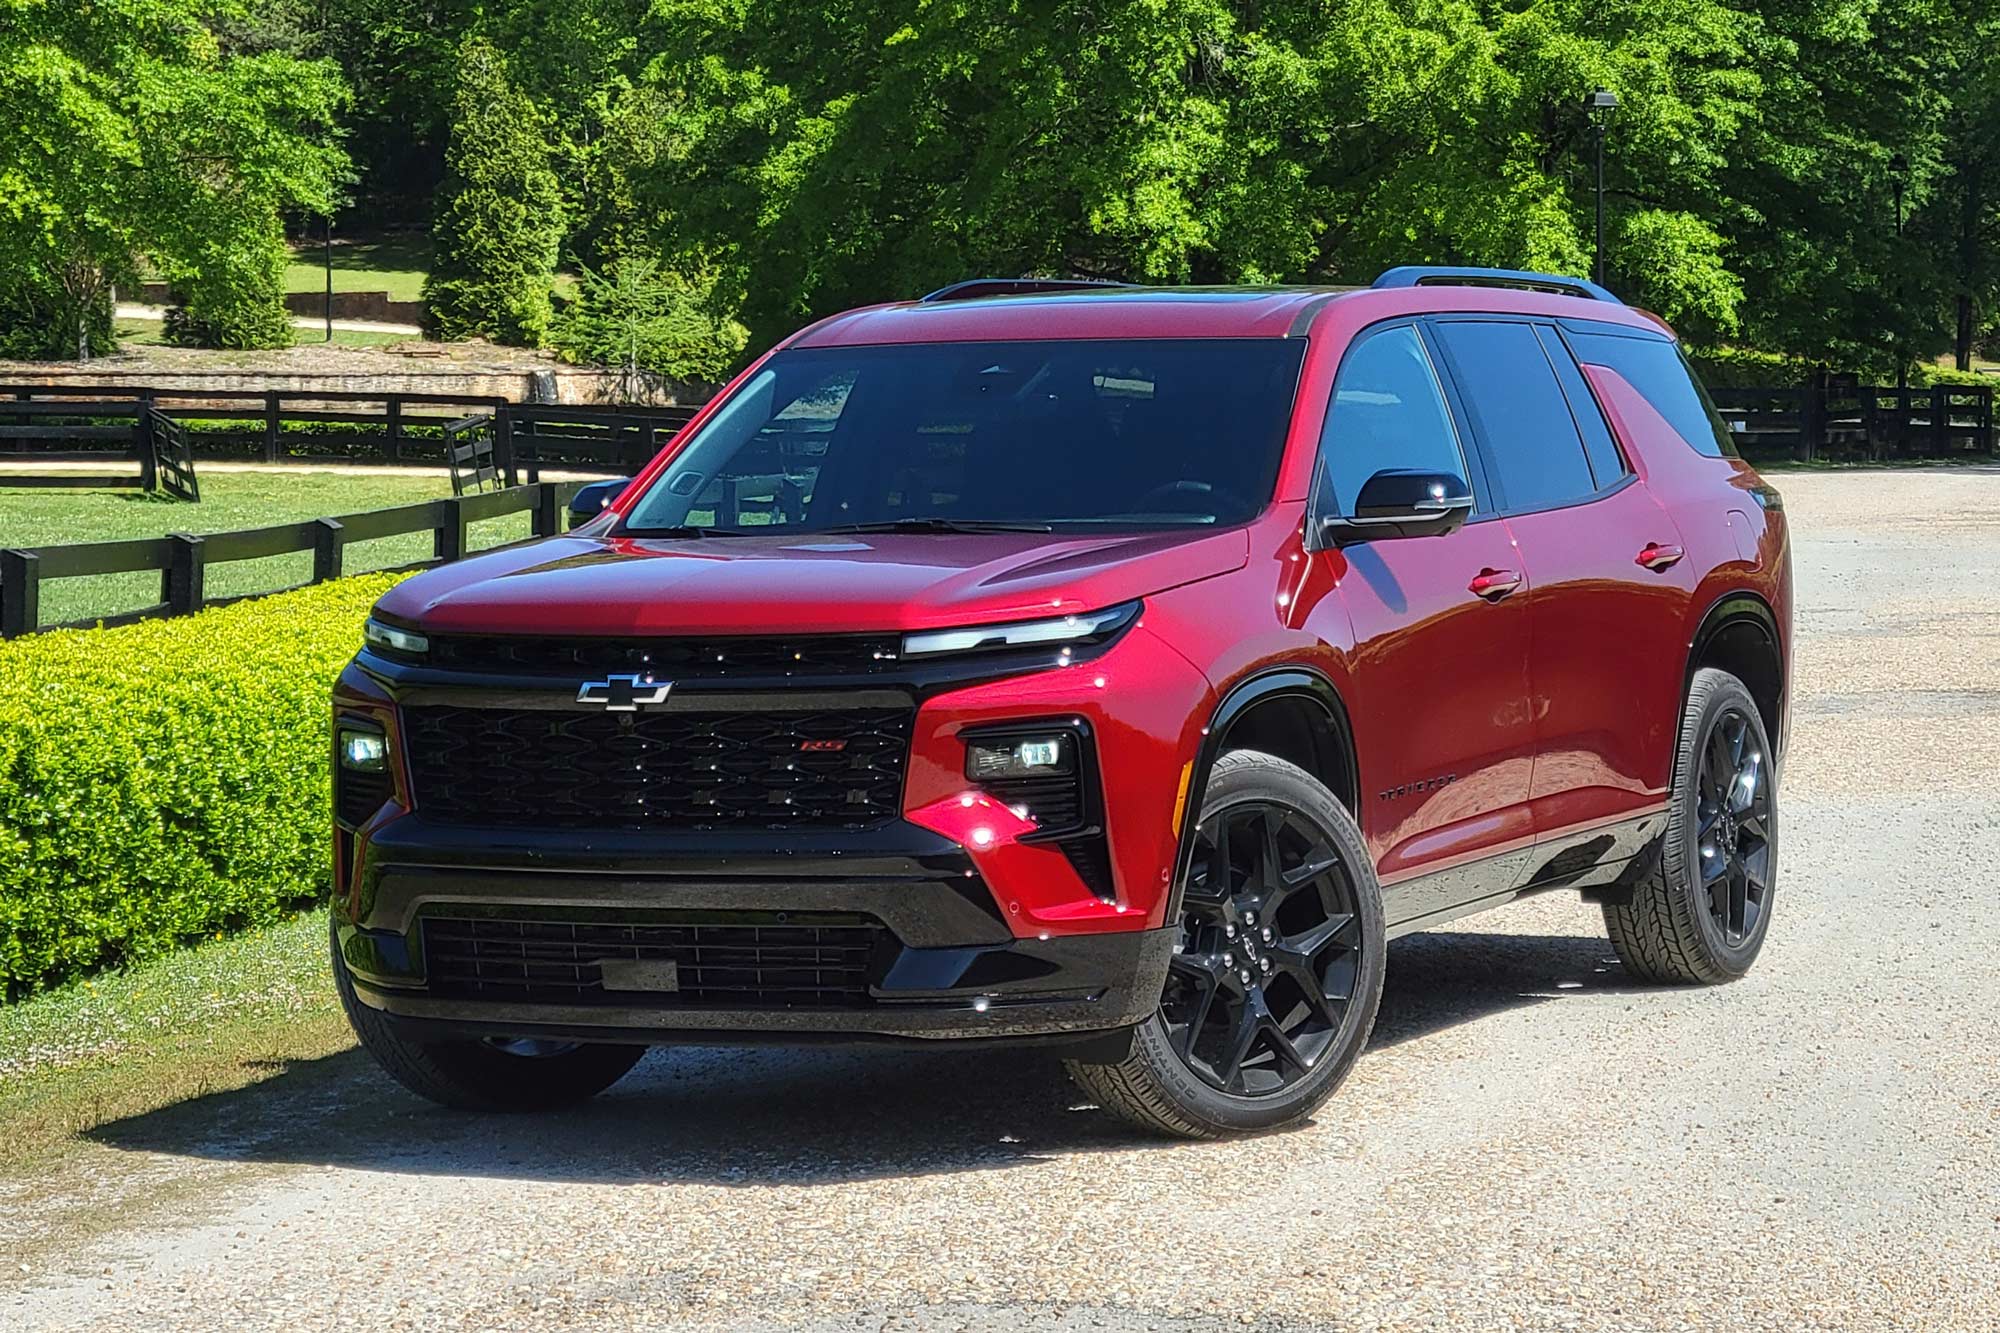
(758, 1116)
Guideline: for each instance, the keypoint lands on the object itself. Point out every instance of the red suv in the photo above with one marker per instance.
(1117, 668)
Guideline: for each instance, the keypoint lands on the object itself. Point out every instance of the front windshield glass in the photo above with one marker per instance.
(1120, 434)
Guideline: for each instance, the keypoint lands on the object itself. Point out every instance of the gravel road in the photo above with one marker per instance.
(1532, 1142)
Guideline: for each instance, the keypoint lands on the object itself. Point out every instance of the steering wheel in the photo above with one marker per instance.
(1217, 498)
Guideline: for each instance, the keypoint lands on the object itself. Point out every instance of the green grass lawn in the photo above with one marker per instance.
(218, 1016)
(395, 264)
(147, 333)
(230, 500)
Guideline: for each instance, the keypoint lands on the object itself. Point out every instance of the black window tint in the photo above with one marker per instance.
(1129, 433)
(1519, 408)
(1607, 465)
(1661, 374)
(1387, 412)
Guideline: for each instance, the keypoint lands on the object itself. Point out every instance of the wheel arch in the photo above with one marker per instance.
(1291, 711)
(1739, 634)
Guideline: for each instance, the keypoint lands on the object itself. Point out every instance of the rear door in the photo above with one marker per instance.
(1440, 684)
(1610, 594)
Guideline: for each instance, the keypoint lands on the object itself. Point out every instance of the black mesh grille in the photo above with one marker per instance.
(1054, 803)
(749, 961)
(652, 770)
(358, 795)
(676, 659)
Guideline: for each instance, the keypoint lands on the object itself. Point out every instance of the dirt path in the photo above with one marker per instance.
(1532, 1142)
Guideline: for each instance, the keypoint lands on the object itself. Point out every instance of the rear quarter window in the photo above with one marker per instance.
(1661, 374)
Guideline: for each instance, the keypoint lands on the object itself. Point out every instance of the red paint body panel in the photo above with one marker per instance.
(1480, 727)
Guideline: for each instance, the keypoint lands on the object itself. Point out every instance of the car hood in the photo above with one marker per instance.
(823, 583)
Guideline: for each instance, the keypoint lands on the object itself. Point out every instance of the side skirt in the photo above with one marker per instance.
(1601, 862)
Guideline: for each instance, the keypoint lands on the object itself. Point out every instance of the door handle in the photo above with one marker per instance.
(1493, 584)
(1658, 556)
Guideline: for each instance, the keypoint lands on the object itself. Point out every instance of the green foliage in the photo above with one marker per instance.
(42, 322)
(232, 294)
(640, 317)
(128, 128)
(500, 223)
(146, 807)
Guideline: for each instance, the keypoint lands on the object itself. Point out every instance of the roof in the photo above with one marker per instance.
(1113, 312)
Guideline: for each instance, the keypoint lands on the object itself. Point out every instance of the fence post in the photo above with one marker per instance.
(1941, 419)
(1812, 418)
(146, 432)
(185, 566)
(448, 537)
(271, 427)
(20, 593)
(395, 410)
(503, 443)
(1985, 436)
(328, 540)
(548, 512)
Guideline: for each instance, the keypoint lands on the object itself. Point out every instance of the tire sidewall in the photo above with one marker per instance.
(1240, 778)
(1715, 694)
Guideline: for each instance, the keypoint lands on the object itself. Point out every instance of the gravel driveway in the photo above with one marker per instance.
(1532, 1142)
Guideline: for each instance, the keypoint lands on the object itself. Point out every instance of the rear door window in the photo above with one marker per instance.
(1520, 413)
(1607, 465)
(1656, 368)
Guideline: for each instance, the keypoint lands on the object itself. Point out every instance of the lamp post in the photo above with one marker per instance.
(1599, 105)
(1899, 172)
(327, 238)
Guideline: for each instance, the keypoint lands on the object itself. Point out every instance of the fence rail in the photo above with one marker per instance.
(1833, 420)
(331, 426)
(182, 559)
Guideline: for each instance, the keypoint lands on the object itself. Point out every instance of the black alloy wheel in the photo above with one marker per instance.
(1270, 948)
(1733, 829)
(1276, 974)
(1699, 903)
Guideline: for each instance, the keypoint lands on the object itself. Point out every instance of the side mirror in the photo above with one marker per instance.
(589, 502)
(1403, 502)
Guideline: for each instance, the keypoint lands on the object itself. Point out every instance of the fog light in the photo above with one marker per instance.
(363, 751)
(1029, 757)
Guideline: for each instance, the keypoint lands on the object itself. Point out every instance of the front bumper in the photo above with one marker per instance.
(945, 966)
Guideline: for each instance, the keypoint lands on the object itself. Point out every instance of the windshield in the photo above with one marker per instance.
(951, 436)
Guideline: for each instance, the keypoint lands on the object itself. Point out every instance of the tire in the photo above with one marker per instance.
(1177, 1079)
(1692, 920)
(472, 1075)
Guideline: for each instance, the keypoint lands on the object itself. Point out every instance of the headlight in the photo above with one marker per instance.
(363, 751)
(1053, 755)
(379, 635)
(1090, 627)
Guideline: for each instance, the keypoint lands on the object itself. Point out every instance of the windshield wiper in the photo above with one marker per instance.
(936, 524)
(683, 531)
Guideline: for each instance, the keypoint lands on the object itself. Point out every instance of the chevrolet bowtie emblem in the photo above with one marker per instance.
(624, 694)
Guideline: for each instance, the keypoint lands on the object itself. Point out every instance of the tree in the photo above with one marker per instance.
(884, 148)
(645, 320)
(127, 130)
(499, 225)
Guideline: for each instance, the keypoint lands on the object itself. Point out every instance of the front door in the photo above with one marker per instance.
(1439, 688)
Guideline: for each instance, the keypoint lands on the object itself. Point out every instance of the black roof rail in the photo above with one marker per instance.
(973, 288)
(1425, 275)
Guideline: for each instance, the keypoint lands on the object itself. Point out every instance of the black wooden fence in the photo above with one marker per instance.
(107, 424)
(1848, 422)
(182, 559)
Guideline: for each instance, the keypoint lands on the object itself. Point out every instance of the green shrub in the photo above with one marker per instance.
(166, 781)
(639, 316)
(499, 219)
(233, 295)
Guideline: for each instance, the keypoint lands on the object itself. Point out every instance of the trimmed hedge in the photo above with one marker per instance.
(166, 781)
